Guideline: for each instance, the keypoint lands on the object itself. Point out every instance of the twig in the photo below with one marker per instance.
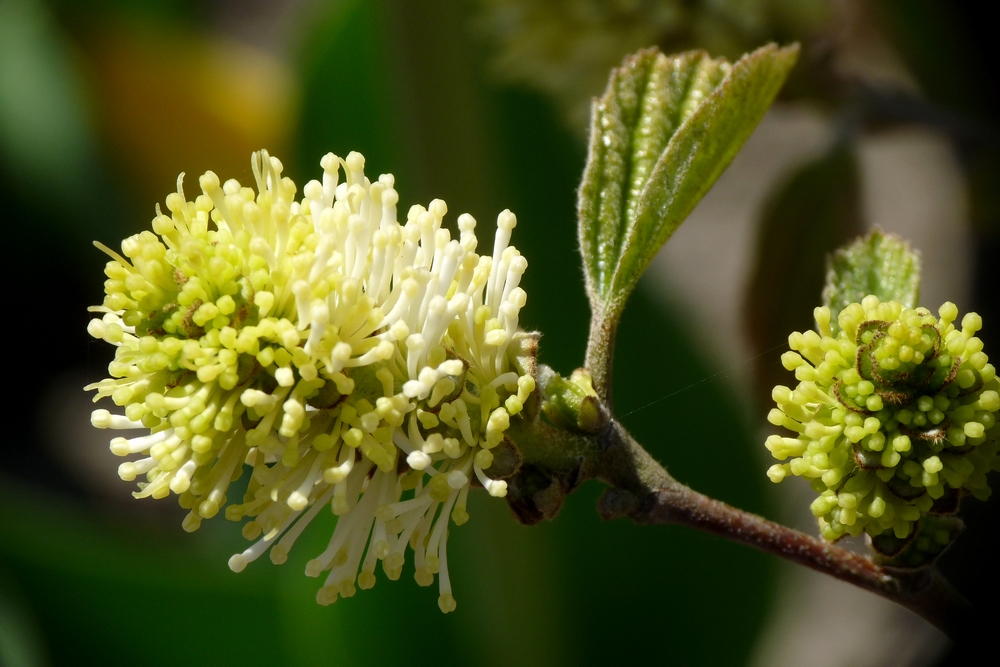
(599, 359)
(643, 490)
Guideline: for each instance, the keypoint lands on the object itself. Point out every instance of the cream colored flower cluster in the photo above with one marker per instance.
(345, 360)
(894, 416)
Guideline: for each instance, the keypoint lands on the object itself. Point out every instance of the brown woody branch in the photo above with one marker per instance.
(644, 491)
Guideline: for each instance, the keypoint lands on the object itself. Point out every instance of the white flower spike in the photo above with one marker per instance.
(352, 362)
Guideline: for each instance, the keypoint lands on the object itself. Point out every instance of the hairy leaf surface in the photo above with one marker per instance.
(880, 264)
(662, 133)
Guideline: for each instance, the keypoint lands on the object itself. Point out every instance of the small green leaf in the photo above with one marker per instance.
(662, 133)
(880, 264)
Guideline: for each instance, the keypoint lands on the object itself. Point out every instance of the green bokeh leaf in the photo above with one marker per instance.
(880, 264)
(45, 140)
(663, 132)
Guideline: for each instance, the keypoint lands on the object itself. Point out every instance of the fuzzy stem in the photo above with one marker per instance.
(599, 359)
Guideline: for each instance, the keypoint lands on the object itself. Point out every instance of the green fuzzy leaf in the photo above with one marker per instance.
(880, 264)
(662, 133)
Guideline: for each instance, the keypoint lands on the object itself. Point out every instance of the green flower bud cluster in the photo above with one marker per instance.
(894, 417)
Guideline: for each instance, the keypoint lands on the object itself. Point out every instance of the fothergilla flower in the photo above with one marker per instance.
(894, 416)
(348, 361)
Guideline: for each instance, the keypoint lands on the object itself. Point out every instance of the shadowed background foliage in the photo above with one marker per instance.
(102, 105)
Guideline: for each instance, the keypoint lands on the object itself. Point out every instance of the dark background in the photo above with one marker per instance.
(103, 103)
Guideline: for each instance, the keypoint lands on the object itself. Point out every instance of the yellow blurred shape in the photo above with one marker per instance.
(172, 99)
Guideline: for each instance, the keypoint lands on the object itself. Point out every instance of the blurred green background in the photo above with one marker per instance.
(103, 103)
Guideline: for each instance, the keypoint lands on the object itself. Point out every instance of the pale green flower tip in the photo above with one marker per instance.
(777, 473)
(791, 360)
(287, 335)
(447, 603)
(932, 464)
(948, 312)
(891, 417)
(971, 323)
(989, 400)
(974, 430)
(822, 317)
